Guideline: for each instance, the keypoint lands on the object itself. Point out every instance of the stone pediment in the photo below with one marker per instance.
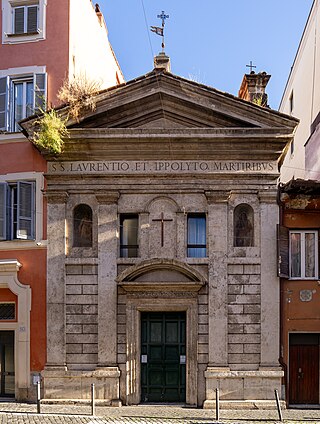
(163, 100)
(161, 275)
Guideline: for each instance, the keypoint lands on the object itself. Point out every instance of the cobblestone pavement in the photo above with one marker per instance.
(22, 413)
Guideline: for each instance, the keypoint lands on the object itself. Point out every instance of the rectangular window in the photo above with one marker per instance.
(304, 254)
(17, 210)
(197, 236)
(21, 97)
(25, 19)
(7, 311)
(129, 236)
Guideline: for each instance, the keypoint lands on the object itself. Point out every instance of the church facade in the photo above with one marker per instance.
(162, 267)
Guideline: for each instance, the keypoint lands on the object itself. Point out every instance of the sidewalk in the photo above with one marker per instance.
(22, 413)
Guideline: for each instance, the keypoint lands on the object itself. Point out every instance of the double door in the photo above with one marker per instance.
(163, 357)
(7, 378)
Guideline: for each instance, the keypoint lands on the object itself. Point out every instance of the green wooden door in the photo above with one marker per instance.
(163, 357)
(7, 379)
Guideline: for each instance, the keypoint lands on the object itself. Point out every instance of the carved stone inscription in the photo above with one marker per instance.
(162, 167)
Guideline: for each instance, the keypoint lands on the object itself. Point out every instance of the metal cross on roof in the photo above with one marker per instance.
(163, 17)
(251, 66)
(160, 30)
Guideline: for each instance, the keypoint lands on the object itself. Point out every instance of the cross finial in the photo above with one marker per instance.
(158, 30)
(163, 17)
(251, 66)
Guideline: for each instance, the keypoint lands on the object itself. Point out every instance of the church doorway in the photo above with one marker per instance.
(7, 375)
(163, 356)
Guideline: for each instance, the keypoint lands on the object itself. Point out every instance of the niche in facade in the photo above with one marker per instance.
(82, 226)
(243, 226)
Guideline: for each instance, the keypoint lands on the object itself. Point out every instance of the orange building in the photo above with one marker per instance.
(300, 290)
(43, 42)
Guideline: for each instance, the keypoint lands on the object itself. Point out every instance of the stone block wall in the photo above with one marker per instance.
(81, 317)
(244, 316)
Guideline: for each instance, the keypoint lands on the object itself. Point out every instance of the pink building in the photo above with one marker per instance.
(43, 42)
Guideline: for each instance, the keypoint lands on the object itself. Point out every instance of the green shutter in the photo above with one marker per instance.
(32, 19)
(25, 210)
(4, 103)
(3, 211)
(40, 90)
(18, 20)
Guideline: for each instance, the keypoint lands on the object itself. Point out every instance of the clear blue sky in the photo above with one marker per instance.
(210, 41)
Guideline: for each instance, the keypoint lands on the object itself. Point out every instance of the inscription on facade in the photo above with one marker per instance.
(162, 167)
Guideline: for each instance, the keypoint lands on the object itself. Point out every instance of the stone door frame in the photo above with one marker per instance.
(8, 279)
(160, 304)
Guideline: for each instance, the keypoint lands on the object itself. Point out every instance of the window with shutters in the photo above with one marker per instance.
(21, 97)
(303, 254)
(23, 20)
(17, 210)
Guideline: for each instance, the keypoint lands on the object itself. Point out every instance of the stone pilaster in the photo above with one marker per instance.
(107, 272)
(181, 235)
(56, 334)
(218, 281)
(270, 285)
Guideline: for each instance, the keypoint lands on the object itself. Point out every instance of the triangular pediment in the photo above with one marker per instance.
(163, 116)
(163, 100)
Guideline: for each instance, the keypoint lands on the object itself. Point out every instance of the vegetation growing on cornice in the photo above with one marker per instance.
(51, 132)
(79, 93)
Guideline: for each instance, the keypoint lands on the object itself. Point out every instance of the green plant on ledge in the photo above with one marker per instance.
(52, 130)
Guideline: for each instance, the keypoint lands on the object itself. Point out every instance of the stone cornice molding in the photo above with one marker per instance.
(108, 198)
(217, 196)
(9, 266)
(56, 196)
(269, 196)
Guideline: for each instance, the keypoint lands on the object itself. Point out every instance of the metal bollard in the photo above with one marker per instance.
(278, 404)
(38, 397)
(217, 405)
(93, 406)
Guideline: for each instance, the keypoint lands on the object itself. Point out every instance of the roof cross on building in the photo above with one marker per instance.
(160, 30)
(251, 66)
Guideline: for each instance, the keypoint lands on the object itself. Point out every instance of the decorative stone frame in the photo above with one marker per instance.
(134, 308)
(162, 296)
(74, 200)
(7, 36)
(8, 279)
(250, 198)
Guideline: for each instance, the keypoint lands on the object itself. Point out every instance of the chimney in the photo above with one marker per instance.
(253, 88)
(162, 62)
(98, 13)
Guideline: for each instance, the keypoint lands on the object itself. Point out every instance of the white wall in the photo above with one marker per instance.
(90, 50)
(304, 83)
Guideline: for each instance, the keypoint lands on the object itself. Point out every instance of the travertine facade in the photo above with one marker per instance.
(163, 150)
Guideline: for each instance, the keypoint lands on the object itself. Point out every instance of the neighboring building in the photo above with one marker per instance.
(162, 265)
(42, 44)
(301, 98)
(300, 290)
(300, 219)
